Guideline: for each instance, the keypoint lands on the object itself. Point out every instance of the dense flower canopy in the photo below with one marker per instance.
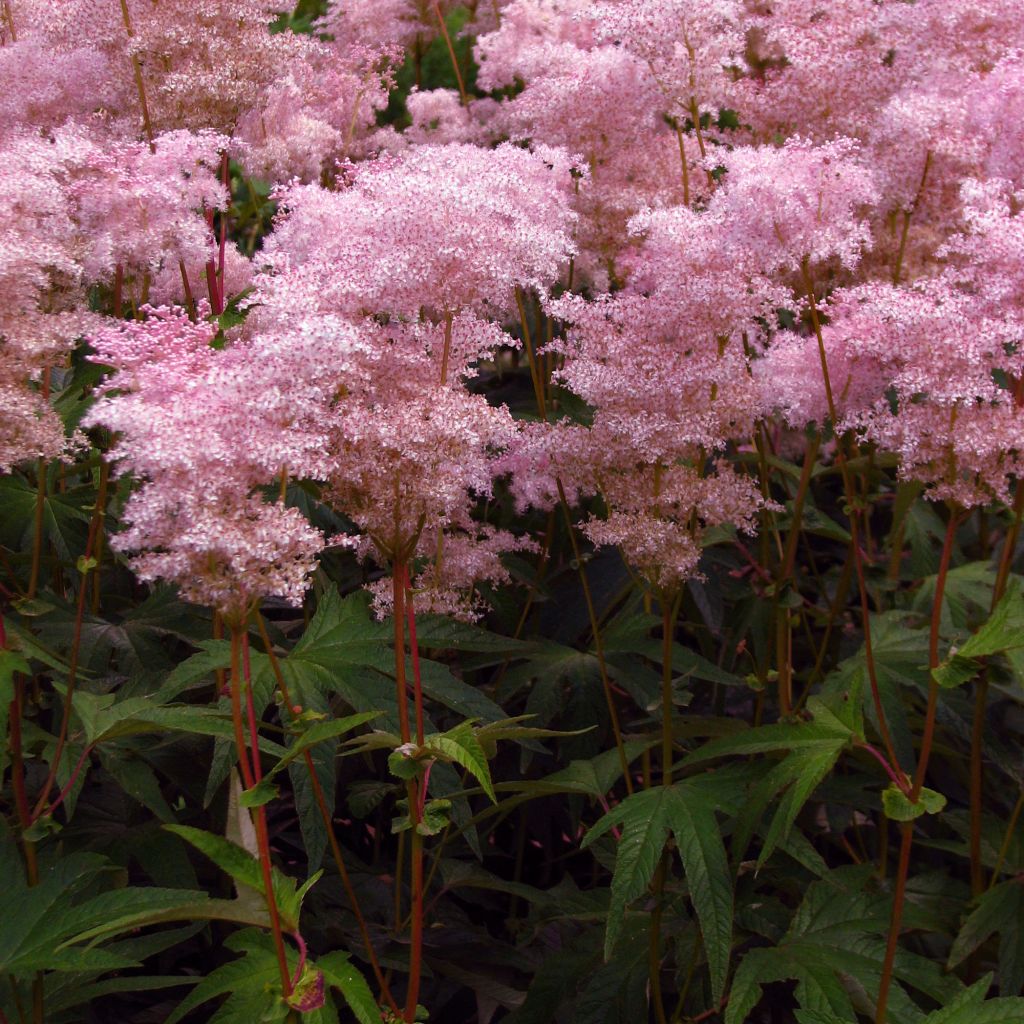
(397, 258)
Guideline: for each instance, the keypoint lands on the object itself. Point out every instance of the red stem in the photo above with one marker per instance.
(933, 658)
(414, 651)
(880, 758)
(416, 921)
(401, 689)
(303, 952)
(71, 781)
(76, 642)
(250, 707)
(899, 895)
(238, 641)
(325, 814)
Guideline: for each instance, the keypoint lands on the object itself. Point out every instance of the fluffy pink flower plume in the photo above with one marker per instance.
(591, 97)
(399, 23)
(916, 371)
(321, 110)
(42, 298)
(823, 68)
(449, 228)
(192, 432)
(797, 202)
(142, 210)
(689, 46)
(436, 242)
(664, 364)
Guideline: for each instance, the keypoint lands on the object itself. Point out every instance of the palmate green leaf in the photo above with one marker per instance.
(899, 807)
(971, 1007)
(691, 816)
(687, 811)
(340, 973)
(460, 746)
(824, 731)
(836, 936)
(245, 869)
(318, 732)
(1002, 631)
(813, 748)
(252, 984)
(999, 911)
(643, 818)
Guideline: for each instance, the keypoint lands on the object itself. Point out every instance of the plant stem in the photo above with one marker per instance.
(654, 944)
(669, 611)
(325, 814)
(398, 615)
(907, 828)
(95, 523)
(595, 630)
(852, 504)
(685, 166)
(140, 85)
(251, 774)
(419, 791)
(417, 682)
(18, 782)
(1004, 847)
(981, 703)
(37, 527)
(463, 97)
(907, 214)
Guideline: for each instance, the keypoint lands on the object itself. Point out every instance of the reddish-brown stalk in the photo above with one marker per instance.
(595, 628)
(190, 302)
(95, 523)
(72, 779)
(398, 617)
(251, 774)
(9, 18)
(852, 505)
(37, 528)
(981, 700)
(414, 654)
(907, 829)
(682, 160)
(907, 214)
(463, 97)
(415, 791)
(326, 816)
(140, 85)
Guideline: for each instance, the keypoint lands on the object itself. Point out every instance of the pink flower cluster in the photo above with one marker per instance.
(649, 181)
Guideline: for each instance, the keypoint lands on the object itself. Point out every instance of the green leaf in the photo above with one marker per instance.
(645, 828)
(252, 982)
(460, 745)
(687, 810)
(899, 807)
(971, 1007)
(999, 911)
(691, 817)
(343, 975)
(245, 869)
(1004, 628)
(319, 732)
(955, 671)
(262, 793)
